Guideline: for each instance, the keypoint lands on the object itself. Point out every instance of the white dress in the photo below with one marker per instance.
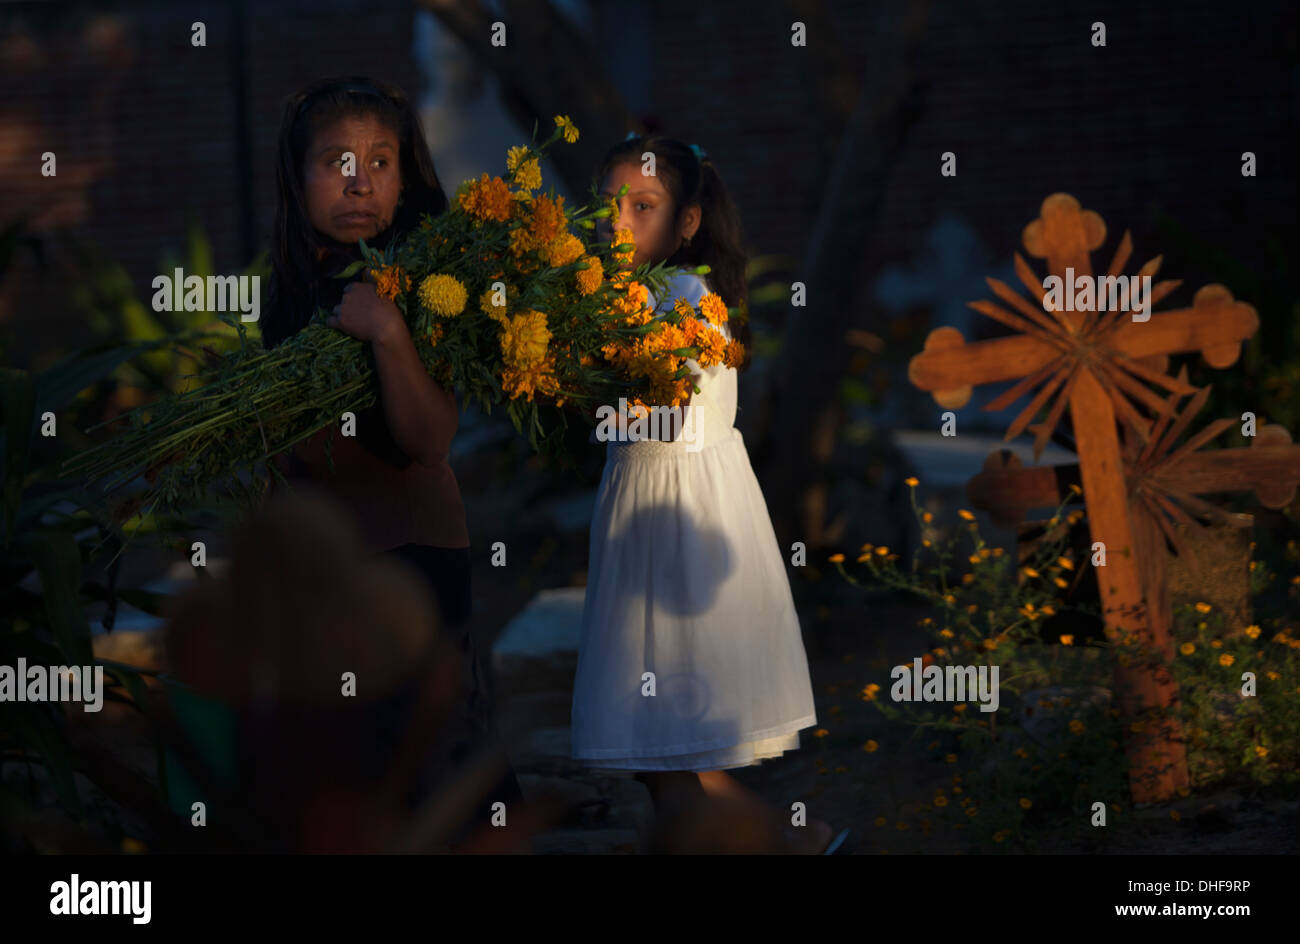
(686, 581)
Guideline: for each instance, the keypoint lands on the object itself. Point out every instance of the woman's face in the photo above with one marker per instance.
(647, 209)
(359, 206)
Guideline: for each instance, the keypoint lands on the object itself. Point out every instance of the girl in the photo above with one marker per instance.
(393, 478)
(685, 578)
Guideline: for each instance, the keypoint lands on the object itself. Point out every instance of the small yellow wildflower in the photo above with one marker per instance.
(870, 747)
(965, 514)
(1252, 631)
(1226, 659)
(567, 129)
(911, 481)
(1203, 608)
(1067, 640)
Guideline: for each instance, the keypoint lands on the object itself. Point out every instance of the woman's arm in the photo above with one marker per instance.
(422, 416)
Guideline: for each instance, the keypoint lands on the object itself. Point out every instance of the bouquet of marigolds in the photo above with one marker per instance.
(509, 299)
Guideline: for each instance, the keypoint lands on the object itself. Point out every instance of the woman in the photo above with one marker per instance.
(353, 164)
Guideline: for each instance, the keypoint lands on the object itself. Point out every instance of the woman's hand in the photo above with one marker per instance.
(363, 314)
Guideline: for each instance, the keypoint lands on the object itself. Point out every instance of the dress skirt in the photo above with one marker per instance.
(691, 655)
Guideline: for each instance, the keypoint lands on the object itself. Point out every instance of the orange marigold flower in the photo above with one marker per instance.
(390, 281)
(713, 308)
(487, 199)
(589, 279)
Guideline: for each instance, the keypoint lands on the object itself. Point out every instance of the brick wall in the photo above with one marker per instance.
(1157, 119)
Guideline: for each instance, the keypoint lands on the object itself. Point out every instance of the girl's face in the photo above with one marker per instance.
(647, 209)
(361, 206)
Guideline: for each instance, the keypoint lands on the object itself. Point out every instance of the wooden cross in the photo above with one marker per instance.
(1162, 487)
(1100, 364)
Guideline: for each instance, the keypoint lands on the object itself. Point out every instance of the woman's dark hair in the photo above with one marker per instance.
(691, 179)
(297, 273)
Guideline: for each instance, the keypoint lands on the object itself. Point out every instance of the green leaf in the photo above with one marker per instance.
(352, 269)
(58, 560)
(57, 385)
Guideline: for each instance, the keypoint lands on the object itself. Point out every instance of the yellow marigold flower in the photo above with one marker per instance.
(967, 578)
(1030, 572)
(882, 551)
(443, 295)
(1067, 640)
(1076, 726)
(525, 339)
(1025, 803)
(966, 514)
(528, 175)
(590, 278)
(1059, 582)
(836, 558)
(974, 558)
(1047, 610)
(487, 199)
(621, 237)
(927, 517)
(1066, 563)
(946, 633)
(870, 747)
(925, 542)
(1226, 659)
(1203, 608)
(1214, 643)
(567, 128)
(1252, 631)
(1261, 750)
(911, 481)
(863, 558)
(940, 800)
